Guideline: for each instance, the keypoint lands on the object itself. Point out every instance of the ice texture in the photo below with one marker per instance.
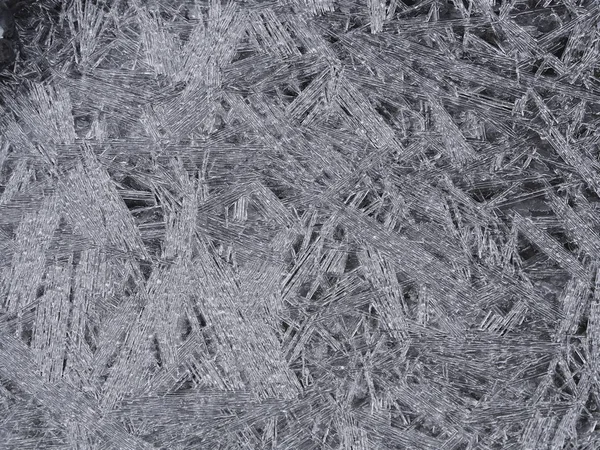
(301, 224)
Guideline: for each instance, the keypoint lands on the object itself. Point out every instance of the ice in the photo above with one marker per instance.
(320, 224)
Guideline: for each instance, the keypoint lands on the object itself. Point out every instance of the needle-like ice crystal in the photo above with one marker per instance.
(301, 224)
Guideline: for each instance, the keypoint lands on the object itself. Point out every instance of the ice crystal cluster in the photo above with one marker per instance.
(301, 224)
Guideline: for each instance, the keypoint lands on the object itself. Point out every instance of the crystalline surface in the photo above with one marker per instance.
(301, 224)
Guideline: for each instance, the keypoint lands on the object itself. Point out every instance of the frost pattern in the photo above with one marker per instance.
(301, 224)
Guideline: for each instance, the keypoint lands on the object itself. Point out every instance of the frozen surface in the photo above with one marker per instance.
(301, 224)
